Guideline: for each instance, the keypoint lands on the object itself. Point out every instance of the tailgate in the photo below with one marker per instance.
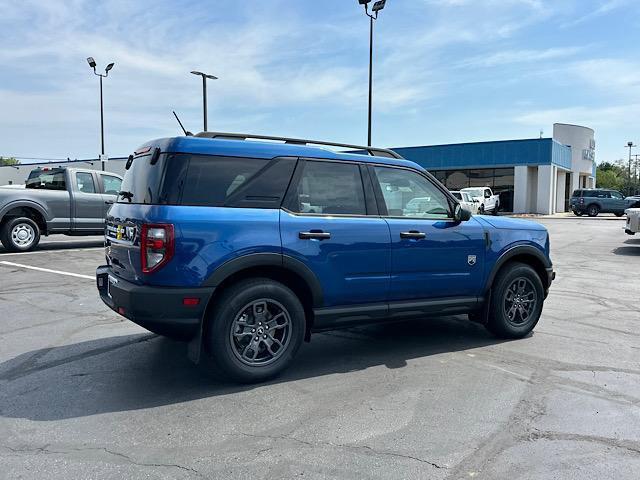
(122, 241)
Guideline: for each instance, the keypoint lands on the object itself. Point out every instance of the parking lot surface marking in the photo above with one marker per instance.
(47, 270)
(40, 252)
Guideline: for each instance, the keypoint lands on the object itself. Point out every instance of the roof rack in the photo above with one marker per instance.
(359, 149)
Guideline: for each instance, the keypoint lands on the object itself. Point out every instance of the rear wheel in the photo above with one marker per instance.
(255, 330)
(593, 210)
(495, 210)
(516, 301)
(20, 234)
(619, 214)
(577, 213)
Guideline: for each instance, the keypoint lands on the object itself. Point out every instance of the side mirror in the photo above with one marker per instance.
(461, 214)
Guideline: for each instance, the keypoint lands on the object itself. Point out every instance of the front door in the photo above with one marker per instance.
(433, 256)
(327, 225)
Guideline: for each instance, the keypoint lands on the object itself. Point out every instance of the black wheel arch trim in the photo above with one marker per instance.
(278, 260)
(516, 251)
(25, 204)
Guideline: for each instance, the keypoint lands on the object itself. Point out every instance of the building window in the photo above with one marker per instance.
(503, 186)
(457, 179)
(481, 178)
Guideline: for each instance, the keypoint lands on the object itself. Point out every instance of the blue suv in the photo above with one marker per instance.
(245, 245)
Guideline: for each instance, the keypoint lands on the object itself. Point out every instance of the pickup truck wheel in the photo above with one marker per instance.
(20, 234)
(495, 210)
(593, 210)
(516, 301)
(256, 329)
(481, 210)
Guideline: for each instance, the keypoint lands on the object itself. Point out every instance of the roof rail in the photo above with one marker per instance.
(380, 152)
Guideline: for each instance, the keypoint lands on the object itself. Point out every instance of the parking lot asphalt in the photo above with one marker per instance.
(84, 394)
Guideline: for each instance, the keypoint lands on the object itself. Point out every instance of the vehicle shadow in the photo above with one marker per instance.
(63, 245)
(627, 251)
(143, 371)
(633, 241)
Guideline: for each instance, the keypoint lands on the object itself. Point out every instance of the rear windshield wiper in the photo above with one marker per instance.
(126, 195)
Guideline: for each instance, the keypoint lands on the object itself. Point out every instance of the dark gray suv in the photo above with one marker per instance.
(593, 201)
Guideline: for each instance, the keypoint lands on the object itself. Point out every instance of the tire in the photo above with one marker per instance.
(495, 210)
(513, 286)
(481, 209)
(248, 308)
(20, 234)
(618, 214)
(593, 210)
(577, 213)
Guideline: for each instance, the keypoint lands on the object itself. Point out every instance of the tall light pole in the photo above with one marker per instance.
(377, 6)
(630, 145)
(204, 93)
(92, 64)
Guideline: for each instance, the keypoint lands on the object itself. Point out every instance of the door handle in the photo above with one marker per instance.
(413, 234)
(314, 234)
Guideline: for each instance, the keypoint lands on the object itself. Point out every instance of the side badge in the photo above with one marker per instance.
(471, 260)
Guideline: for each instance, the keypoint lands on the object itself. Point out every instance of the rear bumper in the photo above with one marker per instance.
(158, 309)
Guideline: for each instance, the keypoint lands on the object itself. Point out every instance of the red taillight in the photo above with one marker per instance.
(156, 246)
(190, 301)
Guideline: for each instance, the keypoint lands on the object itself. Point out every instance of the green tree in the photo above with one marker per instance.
(609, 178)
(6, 161)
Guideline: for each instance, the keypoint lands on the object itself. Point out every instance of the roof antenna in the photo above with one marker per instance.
(186, 132)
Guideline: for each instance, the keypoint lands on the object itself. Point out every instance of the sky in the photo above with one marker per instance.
(445, 71)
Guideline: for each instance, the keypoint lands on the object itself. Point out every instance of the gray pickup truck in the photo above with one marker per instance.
(71, 201)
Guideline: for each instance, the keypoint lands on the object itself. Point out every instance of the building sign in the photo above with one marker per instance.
(589, 154)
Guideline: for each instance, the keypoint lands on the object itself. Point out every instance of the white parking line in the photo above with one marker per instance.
(53, 250)
(69, 274)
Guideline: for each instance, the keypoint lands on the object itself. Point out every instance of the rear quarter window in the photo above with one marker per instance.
(205, 180)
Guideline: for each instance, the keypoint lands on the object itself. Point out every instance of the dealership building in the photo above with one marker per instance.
(531, 176)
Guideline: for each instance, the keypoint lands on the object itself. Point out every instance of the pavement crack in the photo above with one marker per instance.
(344, 446)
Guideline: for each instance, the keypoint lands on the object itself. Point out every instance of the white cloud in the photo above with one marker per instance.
(507, 57)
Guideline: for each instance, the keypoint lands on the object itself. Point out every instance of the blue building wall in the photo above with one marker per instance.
(539, 151)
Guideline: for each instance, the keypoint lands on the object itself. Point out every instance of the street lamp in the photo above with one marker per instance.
(377, 6)
(630, 145)
(204, 93)
(92, 64)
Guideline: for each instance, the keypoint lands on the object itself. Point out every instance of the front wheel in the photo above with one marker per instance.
(481, 210)
(516, 301)
(255, 330)
(20, 234)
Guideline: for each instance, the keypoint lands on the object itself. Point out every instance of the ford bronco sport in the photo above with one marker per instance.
(244, 247)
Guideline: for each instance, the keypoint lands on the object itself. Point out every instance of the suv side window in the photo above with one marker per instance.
(85, 182)
(111, 185)
(409, 194)
(617, 195)
(329, 188)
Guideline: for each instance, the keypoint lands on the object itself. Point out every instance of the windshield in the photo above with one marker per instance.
(47, 179)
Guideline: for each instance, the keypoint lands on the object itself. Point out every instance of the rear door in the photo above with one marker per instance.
(329, 222)
(432, 255)
(88, 204)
